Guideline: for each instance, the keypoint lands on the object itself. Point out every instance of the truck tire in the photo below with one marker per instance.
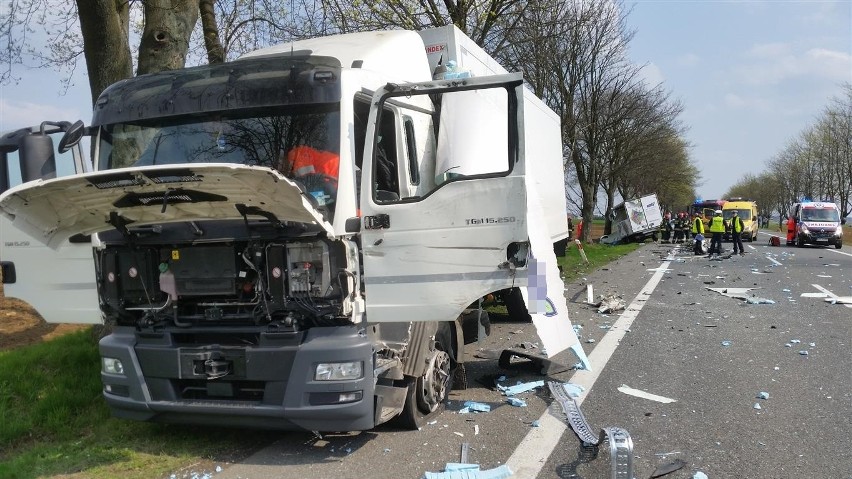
(427, 394)
(838, 245)
(515, 306)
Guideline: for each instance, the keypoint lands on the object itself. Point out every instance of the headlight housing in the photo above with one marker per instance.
(112, 366)
(339, 371)
(803, 229)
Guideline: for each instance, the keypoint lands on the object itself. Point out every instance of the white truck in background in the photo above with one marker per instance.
(297, 239)
(635, 220)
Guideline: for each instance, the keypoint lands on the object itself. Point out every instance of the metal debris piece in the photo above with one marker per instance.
(610, 304)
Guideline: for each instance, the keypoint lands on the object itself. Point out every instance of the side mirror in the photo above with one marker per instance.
(72, 136)
(843, 221)
(36, 157)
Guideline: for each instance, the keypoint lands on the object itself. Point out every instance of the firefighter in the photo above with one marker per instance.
(717, 228)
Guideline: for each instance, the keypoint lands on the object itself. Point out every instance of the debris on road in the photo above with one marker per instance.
(763, 395)
(741, 293)
(520, 387)
(469, 471)
(644, 395)
(516, 402)
(610, 304)
(669, 468)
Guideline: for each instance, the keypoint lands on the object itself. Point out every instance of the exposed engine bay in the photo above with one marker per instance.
(294, 283)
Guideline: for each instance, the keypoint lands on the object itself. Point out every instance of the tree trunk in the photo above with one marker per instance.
(105, 25)
(165, 38)
(212, 41)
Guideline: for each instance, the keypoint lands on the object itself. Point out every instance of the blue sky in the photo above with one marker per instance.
(751, 76)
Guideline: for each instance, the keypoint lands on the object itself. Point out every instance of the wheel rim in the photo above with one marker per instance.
(433, 384)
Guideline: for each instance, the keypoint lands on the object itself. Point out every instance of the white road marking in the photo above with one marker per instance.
(770, 258)
(750, 246)
(840, 252)
(827, 293)
(532, 453)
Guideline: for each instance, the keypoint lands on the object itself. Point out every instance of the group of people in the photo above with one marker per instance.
(675, 230)
(717, 227)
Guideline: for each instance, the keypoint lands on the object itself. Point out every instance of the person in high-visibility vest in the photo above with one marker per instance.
(717, 228)
(737, 228)
(698, 233)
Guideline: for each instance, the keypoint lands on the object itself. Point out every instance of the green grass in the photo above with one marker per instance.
(54, 421)
(598, 254)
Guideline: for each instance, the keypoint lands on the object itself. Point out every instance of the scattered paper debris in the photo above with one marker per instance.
(645, 395)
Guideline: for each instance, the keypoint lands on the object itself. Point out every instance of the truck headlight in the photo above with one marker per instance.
(839, 231)
(339, 371)
(112, 366)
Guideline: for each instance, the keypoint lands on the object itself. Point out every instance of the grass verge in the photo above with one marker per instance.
(572, 263)
(56, 423)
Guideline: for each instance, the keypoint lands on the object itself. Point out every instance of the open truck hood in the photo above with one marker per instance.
(53, 210)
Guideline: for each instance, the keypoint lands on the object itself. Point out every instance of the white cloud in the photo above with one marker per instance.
(652, 74)
(18, 114)
(773, 63)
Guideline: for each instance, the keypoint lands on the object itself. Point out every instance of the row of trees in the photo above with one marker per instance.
(816, 165)
(621, 136)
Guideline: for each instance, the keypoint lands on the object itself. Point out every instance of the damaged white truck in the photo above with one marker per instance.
(297, 239)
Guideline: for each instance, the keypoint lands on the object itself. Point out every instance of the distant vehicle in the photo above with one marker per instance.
(635, 220)
(815, 222)
(747, 211)
(705, 208)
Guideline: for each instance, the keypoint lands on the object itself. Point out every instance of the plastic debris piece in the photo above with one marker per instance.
(756, 300)
(500, 472)
(520, 387)
(763, 395)
(516, 402)
(590, 341)
(458, 434)
(795, 341)
(431, 423)
(757, 405)
(645, 395)
(387, 449)
(460, 466)
(669, 468)
(699, 475)
(476, 407)
(813, 345)
(803, 353)
(726, 343)
(476, 429)
(535, 423)
(573, 390)
(785, 290)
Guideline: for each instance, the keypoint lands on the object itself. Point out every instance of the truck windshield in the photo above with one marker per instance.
(302, 143)
(820, 214)
(744, 214)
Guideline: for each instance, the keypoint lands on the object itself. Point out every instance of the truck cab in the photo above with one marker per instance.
(299, 239)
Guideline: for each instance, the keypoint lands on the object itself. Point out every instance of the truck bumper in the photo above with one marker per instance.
(269, 384)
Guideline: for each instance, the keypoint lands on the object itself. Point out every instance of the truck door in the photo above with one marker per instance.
(458, 229)
(58, 283)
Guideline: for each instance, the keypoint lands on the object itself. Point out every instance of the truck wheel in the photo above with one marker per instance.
(838, 245)
(426, 394)
(800, 242)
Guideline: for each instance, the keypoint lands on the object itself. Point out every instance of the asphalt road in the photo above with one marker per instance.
(710, 353)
